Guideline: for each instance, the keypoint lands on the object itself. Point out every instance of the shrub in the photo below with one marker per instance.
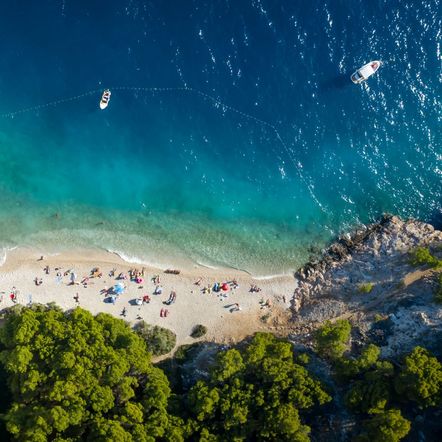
(159, 340)
(332, 339)
(378, 317)
(198, 331)
(302, 358)
(366, 287)
(422, 256)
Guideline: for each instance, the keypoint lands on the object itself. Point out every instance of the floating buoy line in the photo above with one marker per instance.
(216, 101)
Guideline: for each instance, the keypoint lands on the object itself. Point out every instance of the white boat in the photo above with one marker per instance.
(365, 71)
(105, 99)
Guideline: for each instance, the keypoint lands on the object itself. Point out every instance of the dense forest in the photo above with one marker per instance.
(70, 376)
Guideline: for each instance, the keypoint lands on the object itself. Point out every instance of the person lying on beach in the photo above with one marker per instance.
(172, 298)
(158, 290)
(198, 281)
(254, 288)
(123, 313)
(38, 281)
(146, 299)
(46, 270)
(112, 272)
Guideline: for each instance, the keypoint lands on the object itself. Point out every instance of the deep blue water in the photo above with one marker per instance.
(260, 148)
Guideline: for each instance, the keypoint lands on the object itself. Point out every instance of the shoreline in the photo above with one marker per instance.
(214, 310)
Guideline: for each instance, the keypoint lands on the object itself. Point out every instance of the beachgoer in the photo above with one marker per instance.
(77, 299)
(41, 258)
(198, 281)
(46, 269)
(124, 312)
(162, 312)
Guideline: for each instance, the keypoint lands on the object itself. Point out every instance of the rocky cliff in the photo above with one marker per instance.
(366, 277)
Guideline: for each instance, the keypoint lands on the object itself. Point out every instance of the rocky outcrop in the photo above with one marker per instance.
(367, 273)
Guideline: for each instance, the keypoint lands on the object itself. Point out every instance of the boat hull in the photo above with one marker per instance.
(365, 72)
(105, 98)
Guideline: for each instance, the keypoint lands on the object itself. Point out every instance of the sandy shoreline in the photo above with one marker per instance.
(22, 266)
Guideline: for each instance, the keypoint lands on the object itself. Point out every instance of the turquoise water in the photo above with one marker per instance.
(260, 148)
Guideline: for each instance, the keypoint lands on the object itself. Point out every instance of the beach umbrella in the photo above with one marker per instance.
(225, 287)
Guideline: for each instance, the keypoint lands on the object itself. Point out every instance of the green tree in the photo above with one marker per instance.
(369, 380)
(420, 380)
(332, 338)
(255, 394)
(74, 376)
(386, 426)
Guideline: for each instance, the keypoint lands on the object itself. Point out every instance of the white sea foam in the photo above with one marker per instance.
(132, 259)
(4, 254)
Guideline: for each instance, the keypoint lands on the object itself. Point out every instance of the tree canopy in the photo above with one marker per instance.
(255, 394)
(420, 380)
(332, 338)
(386, 426)
(75, 376)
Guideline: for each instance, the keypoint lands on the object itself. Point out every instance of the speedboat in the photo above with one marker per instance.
(365, 72)
(105, 99)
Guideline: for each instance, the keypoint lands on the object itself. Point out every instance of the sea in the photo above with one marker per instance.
(234, 136)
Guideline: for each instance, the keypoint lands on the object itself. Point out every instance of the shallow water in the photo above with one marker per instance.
(300, 155)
